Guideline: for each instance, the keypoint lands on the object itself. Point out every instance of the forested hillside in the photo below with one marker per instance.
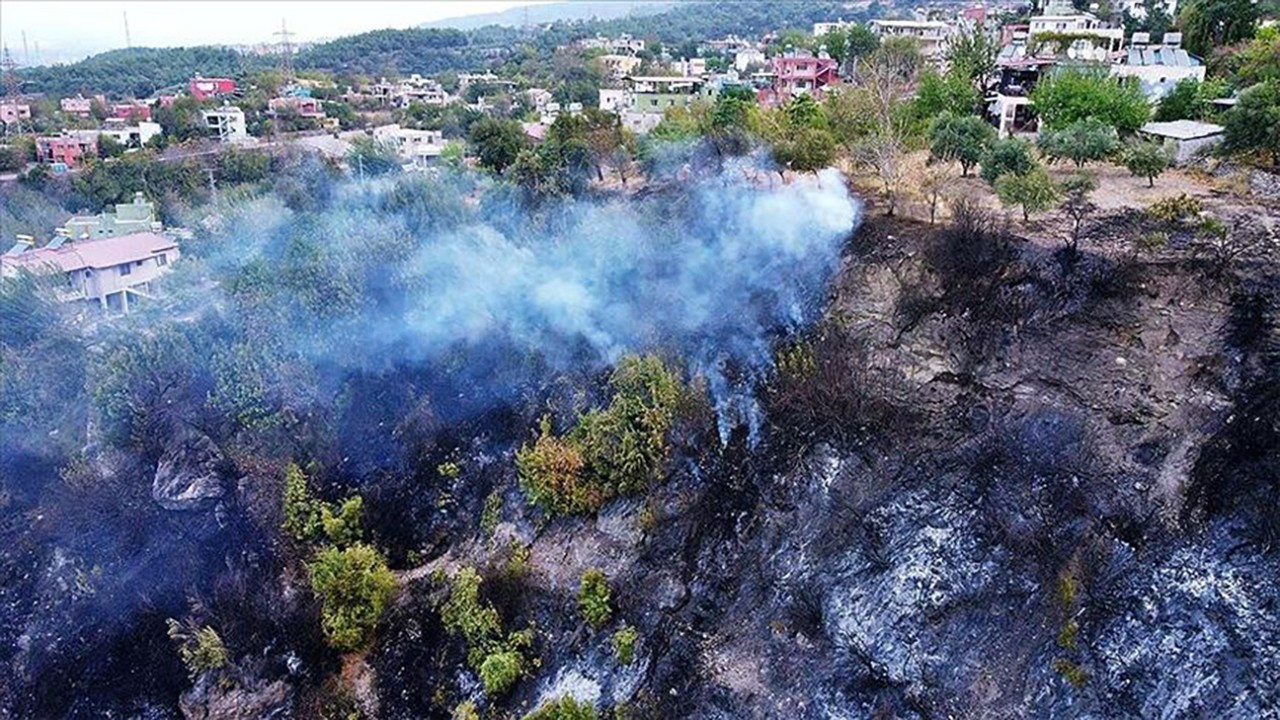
(141, 71)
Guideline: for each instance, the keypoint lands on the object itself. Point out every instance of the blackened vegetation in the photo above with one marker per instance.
(1238, 470)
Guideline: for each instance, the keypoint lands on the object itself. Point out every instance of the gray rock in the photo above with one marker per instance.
(187, 475)
(212, 699)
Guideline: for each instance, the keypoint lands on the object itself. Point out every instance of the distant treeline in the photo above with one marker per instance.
(140, 72)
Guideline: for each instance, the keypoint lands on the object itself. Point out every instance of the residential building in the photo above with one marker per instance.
(131, 136)
(744, 59)
(1160, 67)
(111, 272)
(613, 100)
(619, 66)
(822, 28)
(798, 72)
(14, 112)
(553, 110)
(731, 44)
(228, 121)
(132, 110)
(79, 106)
(123, 219)
(414, 88)
(624, 44)
(648, 97)
(303, 106)
(690, 67)
(1138, 8)
(539, 97)
(934, 36)
(1090, 38)
(465, 80)
(202, 88)
(67, 149)
(415, 147)
(1189, 138)
(1010, 105)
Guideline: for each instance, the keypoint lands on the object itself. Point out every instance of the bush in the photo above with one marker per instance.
(564, 708)
(1080, 142)
(1077, 95)
(1011, 155)
(499, 660)
(963, 139)
(1035, 191)
(200, 648)
(307, 518)
(610, 452)
(624, 644)
(1174, 209)
(355, 587)
(593, 598)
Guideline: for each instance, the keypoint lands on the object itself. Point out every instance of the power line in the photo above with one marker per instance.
(286, 51)
(12, 89)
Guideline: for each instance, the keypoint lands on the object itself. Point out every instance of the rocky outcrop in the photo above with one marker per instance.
(187, 475)
(214, 698)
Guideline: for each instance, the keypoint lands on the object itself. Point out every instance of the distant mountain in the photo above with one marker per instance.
(553, 12)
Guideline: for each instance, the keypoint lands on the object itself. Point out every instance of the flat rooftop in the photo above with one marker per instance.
(1182, 129)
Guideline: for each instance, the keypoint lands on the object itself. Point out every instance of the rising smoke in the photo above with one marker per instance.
(711, 270)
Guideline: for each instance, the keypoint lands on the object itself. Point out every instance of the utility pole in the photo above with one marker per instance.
(128, 41)
(12, 89)
(213, 187)
(26, 52)
(286, 51)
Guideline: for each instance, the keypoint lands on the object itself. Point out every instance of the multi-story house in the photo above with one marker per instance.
(124, 219)
(228, 121)
(110, 272)
(203, 88)
(67, 149)
(798, 72)
(933, 36)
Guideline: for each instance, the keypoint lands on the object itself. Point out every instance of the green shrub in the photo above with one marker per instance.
(466, 710)
(200, 648)
(306, 518)
(355, 587)
(301, 512)
(1148, 160)
(563, 708)
(1174, 209)
(492, 513)
(1071, 672)
(593, 598)
(499, 660)
(1011, 155)
(611, 451)
(624, 644)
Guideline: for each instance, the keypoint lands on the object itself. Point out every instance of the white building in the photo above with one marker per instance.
(822, 28)
(1160, 67)
(415, 147)
(1188, 137)
(111, 272)
(131, 136)
(690, 67)
(619, 66)
(934, 36)
(613, 99)
(228, 121)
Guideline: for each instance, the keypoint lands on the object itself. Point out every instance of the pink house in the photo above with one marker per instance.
(111, 272)
(134, 110)
(305, 106)
(800, 73)
(69, 148)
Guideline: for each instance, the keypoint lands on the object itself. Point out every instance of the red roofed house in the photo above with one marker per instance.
(69, 148)
(132, 110)
(111, 271)
(203, 88)
(800, 73)
(304, 106)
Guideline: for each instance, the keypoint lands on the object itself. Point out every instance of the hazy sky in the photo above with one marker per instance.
(69, 29)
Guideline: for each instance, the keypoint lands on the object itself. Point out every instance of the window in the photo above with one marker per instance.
(162, 259)
(126, 269)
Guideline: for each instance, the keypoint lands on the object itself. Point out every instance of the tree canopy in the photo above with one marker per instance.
(1074, 95)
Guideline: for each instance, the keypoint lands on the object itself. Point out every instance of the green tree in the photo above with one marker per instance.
(1033, 190)
(1254, 123)
(952, 92)
(11, 159)
(109, 147)
(1073, 95)
(593, 598)
(200, 647)
(861, 42)
(369, 157)
(960, 138)
(1080, 142)
(1210, 24)
(1147, 159)
(1010, 155)
(624, 644)
(355, 588)
(972, 54)
(1182, 103)
(499, 660)
(1077, 204)
(497, 143)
